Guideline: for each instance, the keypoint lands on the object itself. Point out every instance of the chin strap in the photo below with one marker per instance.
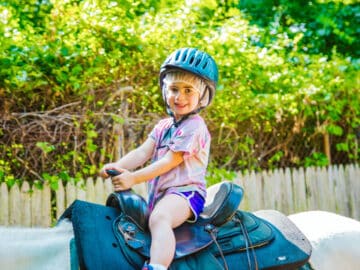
(182, 119)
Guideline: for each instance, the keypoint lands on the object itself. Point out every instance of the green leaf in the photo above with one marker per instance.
(45, 147)
(334, 129)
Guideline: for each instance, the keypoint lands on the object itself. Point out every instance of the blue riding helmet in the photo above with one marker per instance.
(194, 61)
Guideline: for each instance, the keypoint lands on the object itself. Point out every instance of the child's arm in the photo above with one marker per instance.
(133, 159)
(138, 156)
(127, 179)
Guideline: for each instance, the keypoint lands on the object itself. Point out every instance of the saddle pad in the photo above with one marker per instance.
(281, 253)
(99, 249)
(96, 245)
(289, 230)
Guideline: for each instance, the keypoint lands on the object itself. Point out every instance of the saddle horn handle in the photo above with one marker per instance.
(112, 172)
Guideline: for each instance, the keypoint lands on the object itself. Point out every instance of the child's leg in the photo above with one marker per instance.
(170, 212)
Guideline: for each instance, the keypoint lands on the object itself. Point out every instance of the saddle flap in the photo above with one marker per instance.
(244, 231)
(190, 238)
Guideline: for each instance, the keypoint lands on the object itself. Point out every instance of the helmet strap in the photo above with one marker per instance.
(177, 123)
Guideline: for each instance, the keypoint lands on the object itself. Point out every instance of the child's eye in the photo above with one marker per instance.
(173, 90)
(188, 90)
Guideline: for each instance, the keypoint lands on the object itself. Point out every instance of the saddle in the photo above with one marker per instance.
(222, 202)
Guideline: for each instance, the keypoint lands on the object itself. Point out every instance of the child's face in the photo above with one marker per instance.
(182, 98)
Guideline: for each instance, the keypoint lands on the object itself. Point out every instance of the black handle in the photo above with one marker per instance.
(112, 172)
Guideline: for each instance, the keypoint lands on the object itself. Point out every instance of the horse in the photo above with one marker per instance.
(334, 240)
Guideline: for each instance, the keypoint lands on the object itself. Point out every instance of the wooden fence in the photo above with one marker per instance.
(335, 189)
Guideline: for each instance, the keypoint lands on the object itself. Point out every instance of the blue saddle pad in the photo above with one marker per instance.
(99, 248)
(96, 244)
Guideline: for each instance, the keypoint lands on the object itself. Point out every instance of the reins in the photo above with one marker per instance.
(249, 245)
(212, 231)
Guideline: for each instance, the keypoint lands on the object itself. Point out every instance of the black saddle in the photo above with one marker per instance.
(221, 204)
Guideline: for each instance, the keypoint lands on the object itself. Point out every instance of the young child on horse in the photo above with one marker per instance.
(178, 147)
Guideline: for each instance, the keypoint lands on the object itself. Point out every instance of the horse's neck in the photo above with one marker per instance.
(35, 248)
(18, 233)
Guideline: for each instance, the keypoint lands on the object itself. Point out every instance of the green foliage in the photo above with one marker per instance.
(216, 175)
(310, 26)
(45, 147)
(75, 75)
(316, 160)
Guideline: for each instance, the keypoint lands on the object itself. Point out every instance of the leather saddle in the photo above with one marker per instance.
(223, 199)
(221, 207)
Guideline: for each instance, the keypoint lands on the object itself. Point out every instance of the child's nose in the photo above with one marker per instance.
(180, 95)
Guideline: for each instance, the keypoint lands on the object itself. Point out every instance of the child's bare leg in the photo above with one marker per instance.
(170, 212)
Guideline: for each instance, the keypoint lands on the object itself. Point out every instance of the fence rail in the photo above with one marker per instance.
(335, 189)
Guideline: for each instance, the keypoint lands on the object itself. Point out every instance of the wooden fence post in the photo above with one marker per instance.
(353, 174)
(14, 205)
(60, 200)
(46, 206)
(70, 193)
(299, 190)
(25, 204)
(4, 204)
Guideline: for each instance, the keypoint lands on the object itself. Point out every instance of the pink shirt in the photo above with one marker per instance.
(193, 139)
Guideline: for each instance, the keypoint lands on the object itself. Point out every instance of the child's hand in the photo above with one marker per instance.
(108, 166)
(123, 181)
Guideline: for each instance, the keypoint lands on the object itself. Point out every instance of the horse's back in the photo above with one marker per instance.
(335, 239)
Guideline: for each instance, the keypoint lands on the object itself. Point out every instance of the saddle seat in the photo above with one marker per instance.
(222, 202)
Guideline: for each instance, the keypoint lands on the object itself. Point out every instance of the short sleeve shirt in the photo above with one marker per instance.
(193, 139)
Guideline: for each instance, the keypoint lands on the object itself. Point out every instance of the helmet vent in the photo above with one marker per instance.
(191, 60)
(198, 62)
(184, 57)
(177, 56)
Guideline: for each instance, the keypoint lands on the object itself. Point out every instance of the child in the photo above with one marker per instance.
(179, 148)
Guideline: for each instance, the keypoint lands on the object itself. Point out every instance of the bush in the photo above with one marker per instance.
(79, 82)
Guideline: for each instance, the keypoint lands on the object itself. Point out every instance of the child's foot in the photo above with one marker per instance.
(147, 267)
(153, 267)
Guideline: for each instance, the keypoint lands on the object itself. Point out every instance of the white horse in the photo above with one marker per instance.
(335, 240)
(36, 248)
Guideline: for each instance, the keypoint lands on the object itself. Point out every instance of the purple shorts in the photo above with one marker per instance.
(196, 203)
